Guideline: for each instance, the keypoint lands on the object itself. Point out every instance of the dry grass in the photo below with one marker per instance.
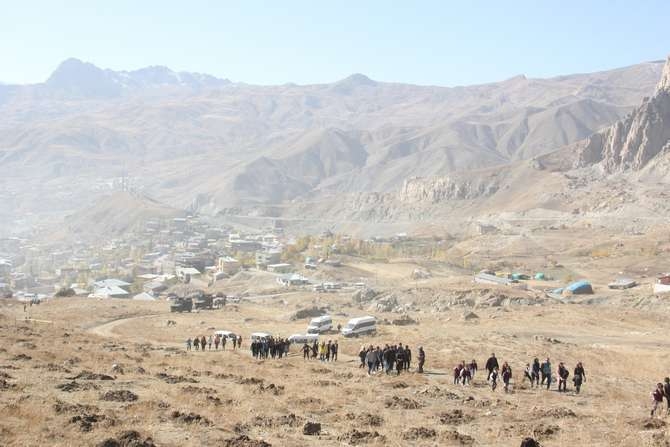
(624, 354)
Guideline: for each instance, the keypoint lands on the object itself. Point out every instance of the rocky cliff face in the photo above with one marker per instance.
(439, 189)
(631, 143)
(664, 83)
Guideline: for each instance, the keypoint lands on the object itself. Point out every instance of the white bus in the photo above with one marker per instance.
(360, 326)
(320, 325)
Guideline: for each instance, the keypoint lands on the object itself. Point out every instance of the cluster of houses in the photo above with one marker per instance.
(143, 264)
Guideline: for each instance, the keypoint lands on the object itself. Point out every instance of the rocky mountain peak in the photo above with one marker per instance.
(82, 79)
(631, 143)
(664, 83)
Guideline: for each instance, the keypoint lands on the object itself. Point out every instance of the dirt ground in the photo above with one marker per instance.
(59, 385)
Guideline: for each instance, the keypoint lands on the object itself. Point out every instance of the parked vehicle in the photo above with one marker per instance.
(226, 334)
(181, 305)
(303, 338)
(360, 326)
(260, 336)
(203, 301)
(320, 325)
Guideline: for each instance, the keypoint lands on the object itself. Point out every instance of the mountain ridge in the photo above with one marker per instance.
(236, 145)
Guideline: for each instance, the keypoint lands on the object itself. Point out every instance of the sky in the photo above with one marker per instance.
(429, 42)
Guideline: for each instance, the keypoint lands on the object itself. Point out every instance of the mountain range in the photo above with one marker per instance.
(195, 141)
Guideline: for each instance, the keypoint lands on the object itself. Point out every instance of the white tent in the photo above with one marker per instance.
(144, 297)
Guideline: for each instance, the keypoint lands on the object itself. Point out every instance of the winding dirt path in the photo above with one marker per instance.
(107, 329)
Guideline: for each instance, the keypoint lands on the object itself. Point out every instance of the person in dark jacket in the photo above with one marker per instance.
(399, 359)
(535, 372)
(666, 392)
(408, 357)
(491, 364)
(473, 368)
(361, 355)
(579, 377)
(305, 351)
(563, 374)
(421, 358)
(546, 372)
(506, 376)
(457, 373)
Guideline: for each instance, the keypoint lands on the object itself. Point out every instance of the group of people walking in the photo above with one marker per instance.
(539, 374)
(391, 357)
(326, 352)
(275, 348)
(202, 343)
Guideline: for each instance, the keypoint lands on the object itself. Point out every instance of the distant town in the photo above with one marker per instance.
(145, 264)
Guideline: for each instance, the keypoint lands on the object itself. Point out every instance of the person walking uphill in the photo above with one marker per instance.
(506, 376)
(491, 364)
(196, 343)
(371, 359)
(546, 372)
(657, 398)
(666, 392)
(535, 373)
(563, 374)
(421, 358)
(188, 344)
(579, 377)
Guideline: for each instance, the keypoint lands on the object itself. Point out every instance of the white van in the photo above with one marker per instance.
(320, 325)
(226, 334)
(360, 326)
(301, 339)
(260, 336)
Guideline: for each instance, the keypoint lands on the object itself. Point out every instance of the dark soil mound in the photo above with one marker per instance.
(88, 375)
(4, 385)
(250, 381)
(120, 396)
(61, 407)
(73, 386)
(530, 442)
(404, 403)
(129, 438)
(245, 441)
(454, 417)
(366, 419)
(462, 439)
(86, 422)
(311, 312)
(271, 388)
(175, 379)
(355, 437)
(311, 428)
(190, 418)
(415, 433)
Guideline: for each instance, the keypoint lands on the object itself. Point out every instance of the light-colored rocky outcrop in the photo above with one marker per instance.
(632, 142)
(439, 189)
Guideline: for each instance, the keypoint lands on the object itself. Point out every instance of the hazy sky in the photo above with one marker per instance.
(272, 42)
